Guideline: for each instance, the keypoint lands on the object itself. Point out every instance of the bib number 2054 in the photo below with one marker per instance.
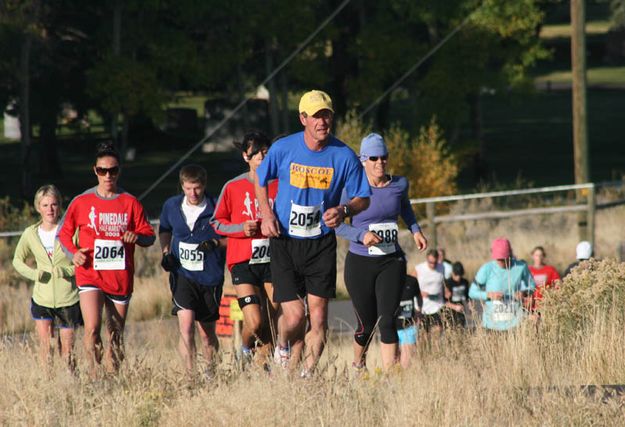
(109, 255)
(305, 221)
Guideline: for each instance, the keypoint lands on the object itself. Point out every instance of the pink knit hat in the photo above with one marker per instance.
(500, 248)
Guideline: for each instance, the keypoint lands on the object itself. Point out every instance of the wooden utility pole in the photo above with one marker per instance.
(580, 116)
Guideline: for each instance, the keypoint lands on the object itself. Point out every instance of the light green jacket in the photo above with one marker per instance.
(54, 278)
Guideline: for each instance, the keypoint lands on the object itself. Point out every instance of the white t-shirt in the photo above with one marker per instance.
(192, 212)
(448, 269)
(47, 239)
(432, 282)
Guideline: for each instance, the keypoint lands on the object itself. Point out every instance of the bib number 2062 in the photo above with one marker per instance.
(261, 251)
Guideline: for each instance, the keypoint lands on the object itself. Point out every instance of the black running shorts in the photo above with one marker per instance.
(303, 266)
(251, 274)
(203, 300)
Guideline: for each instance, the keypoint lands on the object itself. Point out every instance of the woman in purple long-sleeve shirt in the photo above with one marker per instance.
(375, 266)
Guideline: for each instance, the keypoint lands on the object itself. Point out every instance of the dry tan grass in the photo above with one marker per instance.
(477, 379)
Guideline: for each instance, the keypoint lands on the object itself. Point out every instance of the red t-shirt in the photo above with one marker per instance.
(104, 221)
(544, 277)
(237, 204)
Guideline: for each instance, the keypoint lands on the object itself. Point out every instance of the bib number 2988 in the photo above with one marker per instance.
(389, 233)
(305, 221)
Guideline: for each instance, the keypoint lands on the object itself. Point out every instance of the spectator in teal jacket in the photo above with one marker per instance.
(503, 283)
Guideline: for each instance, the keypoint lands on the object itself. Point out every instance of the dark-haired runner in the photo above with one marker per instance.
(237, 216)
(109, 222)
(458, 288)
(196, 264)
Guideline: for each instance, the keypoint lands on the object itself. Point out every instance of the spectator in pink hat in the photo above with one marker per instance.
(502, 284)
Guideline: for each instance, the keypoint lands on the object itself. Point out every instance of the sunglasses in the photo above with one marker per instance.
(114, 171)
(375, 158)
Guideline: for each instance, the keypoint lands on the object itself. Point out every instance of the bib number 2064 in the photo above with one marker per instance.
(109, 255)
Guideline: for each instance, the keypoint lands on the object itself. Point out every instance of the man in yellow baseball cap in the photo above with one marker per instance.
(313, 168)
(314, 101)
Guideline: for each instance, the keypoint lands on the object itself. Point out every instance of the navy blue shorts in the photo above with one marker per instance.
(63, 317)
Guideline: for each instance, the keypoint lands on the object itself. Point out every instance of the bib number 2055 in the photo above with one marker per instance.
(109, 255)
(191, 258)
(305, 221)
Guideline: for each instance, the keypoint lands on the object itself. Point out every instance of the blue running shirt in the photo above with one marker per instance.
(309, 182)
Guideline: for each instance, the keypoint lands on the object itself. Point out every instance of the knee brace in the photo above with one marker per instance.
(362, 337)
(250, 299)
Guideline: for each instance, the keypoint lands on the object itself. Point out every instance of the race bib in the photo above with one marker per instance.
(458, 294)
(261, 253)
(191, 258)
(388, 232)
(305, 221)
(406, 309)
(109, 255)
(504, 311)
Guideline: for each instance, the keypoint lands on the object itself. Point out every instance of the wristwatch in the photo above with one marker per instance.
(346, 211)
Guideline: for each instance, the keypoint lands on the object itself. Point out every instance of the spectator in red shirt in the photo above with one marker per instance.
(544, 275)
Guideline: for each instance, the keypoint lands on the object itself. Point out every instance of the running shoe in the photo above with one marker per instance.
(305, 374)
(281, 356)
(359, 371)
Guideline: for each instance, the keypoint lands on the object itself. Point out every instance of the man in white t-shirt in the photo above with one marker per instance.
(431, 277)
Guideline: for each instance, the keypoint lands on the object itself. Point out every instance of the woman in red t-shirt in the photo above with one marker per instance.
(544, 275)
(110, 222)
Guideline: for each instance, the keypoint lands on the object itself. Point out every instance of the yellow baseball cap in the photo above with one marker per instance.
(315, 101)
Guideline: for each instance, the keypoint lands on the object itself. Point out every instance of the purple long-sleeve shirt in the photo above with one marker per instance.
(387, 204)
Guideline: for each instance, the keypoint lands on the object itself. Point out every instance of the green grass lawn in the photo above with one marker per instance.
(607, 76)
(563, 30)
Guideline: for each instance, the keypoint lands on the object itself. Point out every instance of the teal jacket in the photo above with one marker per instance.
(54, 278)
(508, 313)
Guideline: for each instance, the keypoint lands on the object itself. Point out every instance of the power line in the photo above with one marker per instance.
(229, 116)
(419, 63)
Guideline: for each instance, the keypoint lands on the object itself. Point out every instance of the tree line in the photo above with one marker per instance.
(127, 59)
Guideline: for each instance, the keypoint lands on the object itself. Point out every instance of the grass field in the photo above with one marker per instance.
(474, 379)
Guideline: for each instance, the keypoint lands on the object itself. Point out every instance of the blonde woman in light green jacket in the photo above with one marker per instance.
(54, 302)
